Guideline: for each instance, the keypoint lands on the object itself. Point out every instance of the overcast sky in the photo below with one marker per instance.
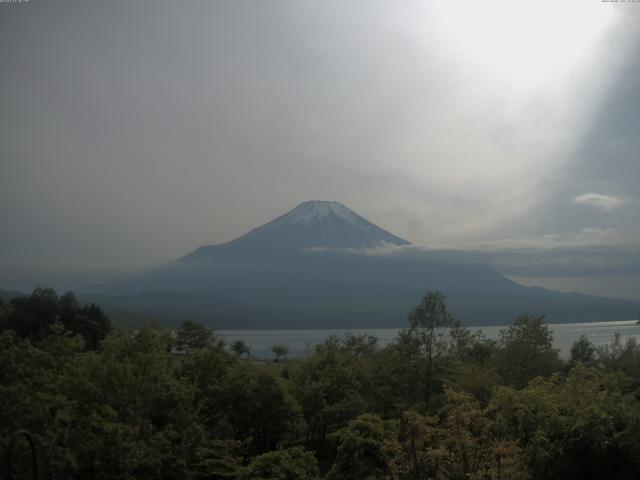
(132, 132)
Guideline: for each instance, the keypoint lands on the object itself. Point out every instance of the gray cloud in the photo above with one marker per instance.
(595, 259)
(590, 252)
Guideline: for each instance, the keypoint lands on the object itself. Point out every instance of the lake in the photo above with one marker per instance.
(301, 342)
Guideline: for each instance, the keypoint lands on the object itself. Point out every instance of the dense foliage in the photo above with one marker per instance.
(440, 402)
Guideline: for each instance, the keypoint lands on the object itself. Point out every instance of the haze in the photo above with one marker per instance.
(133, 132)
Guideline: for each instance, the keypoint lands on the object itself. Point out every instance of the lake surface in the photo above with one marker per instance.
(301, 342)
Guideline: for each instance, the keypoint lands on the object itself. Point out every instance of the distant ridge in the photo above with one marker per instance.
(7, 295)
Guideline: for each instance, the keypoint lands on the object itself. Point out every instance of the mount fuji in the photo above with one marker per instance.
(311, 225)
(311, 268)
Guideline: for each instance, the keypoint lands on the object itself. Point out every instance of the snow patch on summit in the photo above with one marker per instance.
(319, 223)
(315, 211)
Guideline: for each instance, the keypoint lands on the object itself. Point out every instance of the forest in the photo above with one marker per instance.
(440, 402)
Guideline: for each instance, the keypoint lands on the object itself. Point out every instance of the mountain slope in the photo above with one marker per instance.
(312, 224)
(7, 295)
(307, 269)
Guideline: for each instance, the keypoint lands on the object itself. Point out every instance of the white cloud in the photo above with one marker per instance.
(586, 237)
(602, 202)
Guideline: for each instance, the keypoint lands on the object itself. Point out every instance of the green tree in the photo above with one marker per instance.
(363, 344)
(280, 351)
(330, 387)
(32, 316)
(622, 357)
(241, 348)
(398, 384)
(580, 427)
(468, 346)
(526, 351)
(291, 464)
(242, 401)
(460, 442)
(88, 320)
(469, 365)
(360, 451)
(192, 335)
(414, 452)
(430, 325)
(583, 351)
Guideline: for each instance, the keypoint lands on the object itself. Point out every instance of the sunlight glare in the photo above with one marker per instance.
(527, 42)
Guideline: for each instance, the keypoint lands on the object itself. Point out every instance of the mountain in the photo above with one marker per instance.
(7, 295)
(313, 224)
(310, 268)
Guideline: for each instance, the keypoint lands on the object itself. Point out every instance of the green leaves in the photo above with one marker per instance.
(440, 402)
(526, 351)
(192, 335)
(291, 464)
(584, 418)
(37, 315)
(360, 451)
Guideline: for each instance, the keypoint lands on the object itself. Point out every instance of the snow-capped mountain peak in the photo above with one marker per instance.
(319, 223)
(311, 224)
(315, 211)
